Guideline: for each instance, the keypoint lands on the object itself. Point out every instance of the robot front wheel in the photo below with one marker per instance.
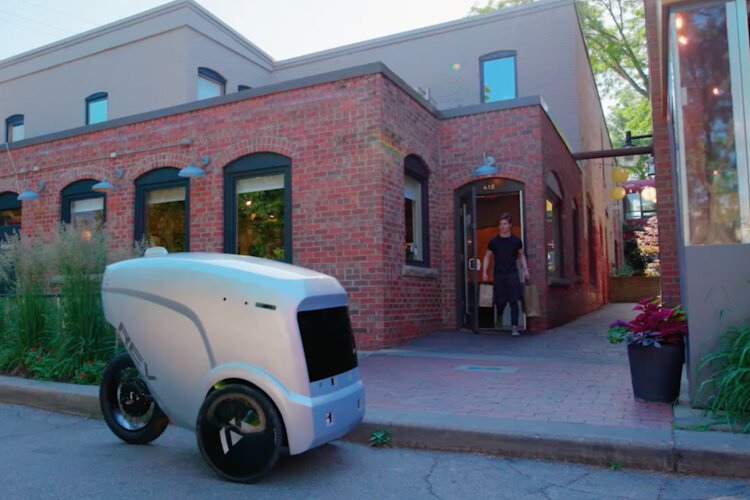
(127, 405)
(240, 433)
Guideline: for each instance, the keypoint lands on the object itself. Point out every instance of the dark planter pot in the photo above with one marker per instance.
(656, 372)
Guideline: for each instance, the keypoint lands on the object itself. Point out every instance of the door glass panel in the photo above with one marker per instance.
(706, 96)
(165, 218)
(261, 216)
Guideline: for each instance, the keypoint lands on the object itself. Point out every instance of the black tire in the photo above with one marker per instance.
(127, 405)
(240, 433)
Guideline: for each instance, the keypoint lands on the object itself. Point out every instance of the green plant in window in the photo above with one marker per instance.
(260, 224)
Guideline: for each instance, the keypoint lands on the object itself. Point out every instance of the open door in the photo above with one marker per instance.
(479, 207)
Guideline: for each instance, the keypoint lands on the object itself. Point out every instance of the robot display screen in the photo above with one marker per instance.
(328, 342)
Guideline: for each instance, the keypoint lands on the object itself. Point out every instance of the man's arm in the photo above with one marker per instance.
(486, 263)
(524, 265)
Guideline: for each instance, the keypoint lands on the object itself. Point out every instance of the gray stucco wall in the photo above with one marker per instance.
(543, 36)
(144, 63)
(716, 293)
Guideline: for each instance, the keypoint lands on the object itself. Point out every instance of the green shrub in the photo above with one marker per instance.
(728, 377)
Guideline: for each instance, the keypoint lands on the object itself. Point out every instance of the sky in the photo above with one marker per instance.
(281, 28)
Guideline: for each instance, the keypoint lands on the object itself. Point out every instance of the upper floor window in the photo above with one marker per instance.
(96, 108)
(14, 130)
(498, 76)
(210, 83)
(81, 205)
(416, 216)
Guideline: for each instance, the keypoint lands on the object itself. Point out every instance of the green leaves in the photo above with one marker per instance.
(381, 438)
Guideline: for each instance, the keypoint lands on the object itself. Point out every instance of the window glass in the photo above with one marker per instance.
(97, 110)
(413, 218)
(499, 79)
(87, 211)
(260, 216)
(633, 206)
(16, 132)
(165, 218)
(711, 203)
(553, 235)
(208, 88)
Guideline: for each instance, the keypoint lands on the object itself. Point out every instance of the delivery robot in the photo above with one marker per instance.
(256, 356)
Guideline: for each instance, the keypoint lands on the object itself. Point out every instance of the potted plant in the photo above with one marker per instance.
(656, 349)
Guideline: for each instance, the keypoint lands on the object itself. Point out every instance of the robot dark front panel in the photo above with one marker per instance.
(328, 342)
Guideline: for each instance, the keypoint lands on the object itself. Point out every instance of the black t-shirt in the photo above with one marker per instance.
(505, 251)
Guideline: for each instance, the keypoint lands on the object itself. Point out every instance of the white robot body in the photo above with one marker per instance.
(194, 321)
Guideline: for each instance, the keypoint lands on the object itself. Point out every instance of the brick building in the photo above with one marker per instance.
(353, 172)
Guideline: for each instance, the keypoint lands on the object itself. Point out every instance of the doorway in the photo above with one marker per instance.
(479, 207)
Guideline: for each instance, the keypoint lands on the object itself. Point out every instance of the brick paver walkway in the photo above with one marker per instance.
(568, 374)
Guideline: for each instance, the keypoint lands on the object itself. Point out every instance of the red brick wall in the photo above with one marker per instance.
(670, 275)
(347, 141)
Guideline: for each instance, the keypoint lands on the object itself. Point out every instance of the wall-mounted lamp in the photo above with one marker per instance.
(193, 170)
(28, 194)
(486, 168)
(106, 187)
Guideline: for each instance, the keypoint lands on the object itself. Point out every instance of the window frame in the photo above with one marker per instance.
(9, 201)
(214, 77)
(576, 243)
(13, 121)
(415, 168)
(246, 167)
(492, 56)
(590, 228)
(93, 99)
(76, 191)
(153, 180)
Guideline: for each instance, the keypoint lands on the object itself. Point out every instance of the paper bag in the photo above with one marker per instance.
(485, 295)
(531, 305)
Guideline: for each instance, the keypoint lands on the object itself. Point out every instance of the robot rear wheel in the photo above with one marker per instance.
(127, 405)
(239, 433)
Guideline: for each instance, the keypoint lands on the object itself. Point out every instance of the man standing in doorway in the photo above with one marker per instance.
(506, 249)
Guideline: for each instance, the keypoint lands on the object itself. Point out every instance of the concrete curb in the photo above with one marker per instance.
(708, 453)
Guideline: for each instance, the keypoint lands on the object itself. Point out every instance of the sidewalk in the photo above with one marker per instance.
(563, 394)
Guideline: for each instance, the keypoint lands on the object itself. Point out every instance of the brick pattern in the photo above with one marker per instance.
(347, 141)
(666, 208)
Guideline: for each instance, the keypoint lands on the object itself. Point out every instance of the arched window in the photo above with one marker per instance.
(210, 83)
(81, 205)
(96, 108)
(162, 209)
(14, 128)
(416, 213)
(553, 197)
(258, 206)
(10, 214)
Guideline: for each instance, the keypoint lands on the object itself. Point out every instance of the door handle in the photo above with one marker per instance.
(475, 264)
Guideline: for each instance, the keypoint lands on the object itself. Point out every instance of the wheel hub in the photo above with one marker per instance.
(135, 399)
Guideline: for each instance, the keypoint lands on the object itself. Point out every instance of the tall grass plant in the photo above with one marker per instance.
(728, 378)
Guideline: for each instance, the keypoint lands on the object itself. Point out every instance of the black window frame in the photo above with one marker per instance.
(492, 56)
(9, 201)
(576, 243)
(591, 244)
(416, 168)
(92, 99)
(159, 178)
(213, 76)
(76, 191)
(256, 165)
(12, 121)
